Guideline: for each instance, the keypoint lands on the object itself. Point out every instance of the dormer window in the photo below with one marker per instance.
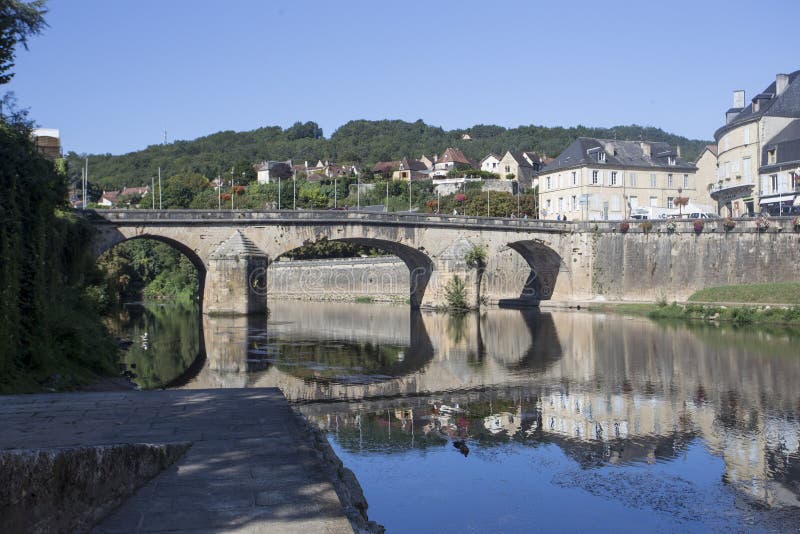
(670, 160)
(601, 157)
(772, 156)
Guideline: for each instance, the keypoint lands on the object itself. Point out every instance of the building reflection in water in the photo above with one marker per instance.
(606, 389)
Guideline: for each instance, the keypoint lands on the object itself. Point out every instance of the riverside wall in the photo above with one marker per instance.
(384, 279)
(639, 266)
(606, 264)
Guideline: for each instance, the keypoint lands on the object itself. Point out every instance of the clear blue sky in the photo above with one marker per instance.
(112, 75)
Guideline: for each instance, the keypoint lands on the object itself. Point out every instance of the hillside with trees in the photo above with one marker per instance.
(362, 141)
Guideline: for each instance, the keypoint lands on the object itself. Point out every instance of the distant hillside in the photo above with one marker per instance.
(359, 140)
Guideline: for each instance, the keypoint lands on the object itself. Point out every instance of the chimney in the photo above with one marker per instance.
(678, 150)
(645, 148)
(738, 99)
(781, 83)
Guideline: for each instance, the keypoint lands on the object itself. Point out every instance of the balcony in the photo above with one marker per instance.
(728, 189)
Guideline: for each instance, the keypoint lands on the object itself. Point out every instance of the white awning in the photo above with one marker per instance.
(788, 197)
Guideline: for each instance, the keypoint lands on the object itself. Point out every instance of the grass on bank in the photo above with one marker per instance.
(757, 305)
(775, 292)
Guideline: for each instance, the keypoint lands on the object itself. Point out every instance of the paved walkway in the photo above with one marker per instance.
(250, 468)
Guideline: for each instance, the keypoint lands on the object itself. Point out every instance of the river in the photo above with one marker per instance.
(515, 421)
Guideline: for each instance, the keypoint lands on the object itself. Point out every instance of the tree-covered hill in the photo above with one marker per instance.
(358, 140)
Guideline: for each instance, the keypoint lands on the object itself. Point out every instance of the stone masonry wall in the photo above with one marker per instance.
(379, 278)
(654, 266)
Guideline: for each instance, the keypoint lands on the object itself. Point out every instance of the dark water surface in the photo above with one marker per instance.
(518, 421)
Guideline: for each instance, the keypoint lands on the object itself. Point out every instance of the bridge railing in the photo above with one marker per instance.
(255, 217)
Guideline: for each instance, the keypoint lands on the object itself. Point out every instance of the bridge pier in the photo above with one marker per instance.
(236, 280)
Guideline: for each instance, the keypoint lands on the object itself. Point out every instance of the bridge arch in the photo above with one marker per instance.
(103, 246)
(420, 265)
(545, 265)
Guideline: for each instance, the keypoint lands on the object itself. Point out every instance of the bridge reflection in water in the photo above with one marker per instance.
(605, 389)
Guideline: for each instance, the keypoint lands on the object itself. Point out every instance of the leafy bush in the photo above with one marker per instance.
(455, 293)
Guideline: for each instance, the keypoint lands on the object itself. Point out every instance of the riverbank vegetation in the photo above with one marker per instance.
(144, 269)
(739, 315)
(52, 335)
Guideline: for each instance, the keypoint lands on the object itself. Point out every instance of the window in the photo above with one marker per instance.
(601, 157)
(560, 203)
(548, 204)
(634, 202)
(595, 177)
(508, 168)
(771, 156)
(747, 135)
(613, 178)
(633, 179)
(547, 183)
(670, 202)
(727, 169)
(494, 164)
(574, 178)
(669, 181)
(670, 160)
(574, 203)
(686, 181)
(746, 168)
(653, 202)
(652, 179)
(774, 179)
(615, 203)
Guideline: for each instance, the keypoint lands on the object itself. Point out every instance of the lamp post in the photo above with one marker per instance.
(358, 193)
(294, 191)
(409, 195)
(219, 193)
(279, 193)
(232, 188)
(334, 192)
(487, 203)
(386, 207)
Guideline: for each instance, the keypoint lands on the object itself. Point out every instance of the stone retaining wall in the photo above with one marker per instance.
(69, 490)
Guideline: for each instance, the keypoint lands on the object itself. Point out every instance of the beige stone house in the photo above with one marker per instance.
(522, 165)
(451, 158)
(491, 163)
(756, 161)
(706, 176)
(604, 179)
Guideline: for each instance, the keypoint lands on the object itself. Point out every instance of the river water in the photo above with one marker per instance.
(516, 421)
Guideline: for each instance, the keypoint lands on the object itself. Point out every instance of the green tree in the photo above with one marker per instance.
(18, 21)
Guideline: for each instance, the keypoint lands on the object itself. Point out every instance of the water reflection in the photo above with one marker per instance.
(162, 341)
(708, 412)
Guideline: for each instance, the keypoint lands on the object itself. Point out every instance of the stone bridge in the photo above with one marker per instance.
(528, 261)
(233, 249)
